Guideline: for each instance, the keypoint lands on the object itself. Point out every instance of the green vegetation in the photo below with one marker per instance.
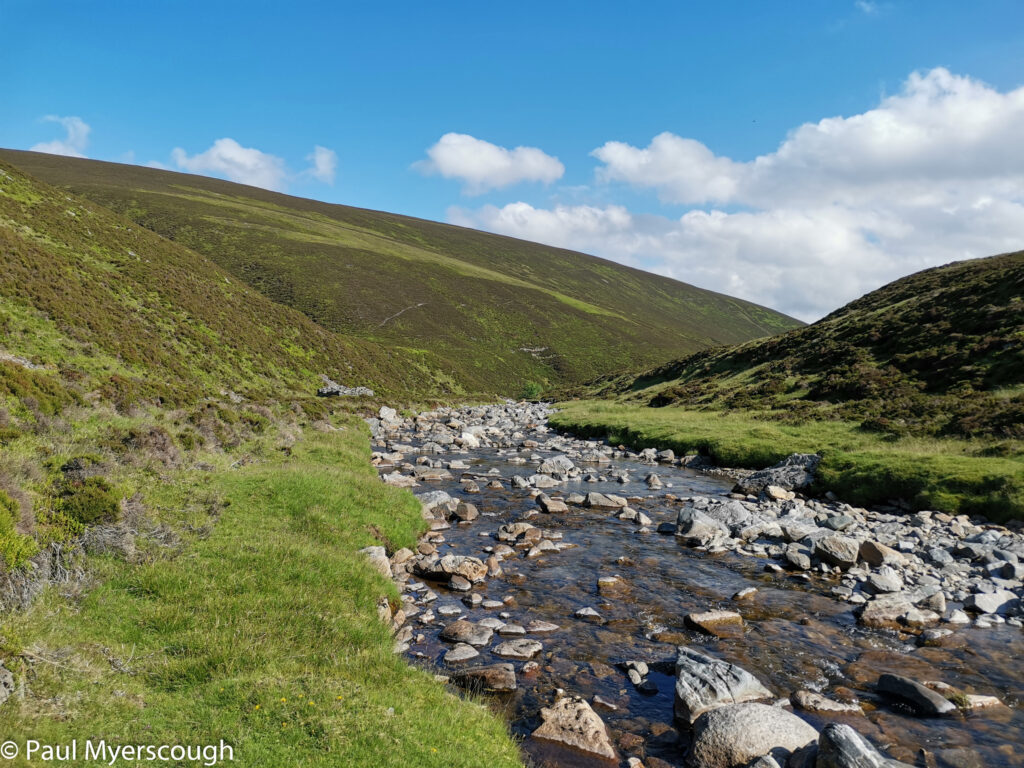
(260, 629)
(15, 547)
(940, 352)
(481, 313)
(861, 467)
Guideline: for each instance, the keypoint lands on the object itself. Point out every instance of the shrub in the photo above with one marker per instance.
(15, 548)
(532, 391)
(91, 501)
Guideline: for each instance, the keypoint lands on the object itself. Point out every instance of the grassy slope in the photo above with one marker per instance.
(104, 303)
(914, 391)
(498, 311)
(940, 352)
(223, 607)
(261, 630)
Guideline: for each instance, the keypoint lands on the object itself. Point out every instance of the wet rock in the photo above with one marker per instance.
(923, 700)
(522, 649)
(604, 501)
(510, 630)
(493, 678)
(792, 473)
(571, 721)
(838, 550)
(538, 627)
(466, 512)
(809, 701)
(704, 683)
(450, 566)
(745, 594)
(556, 464)
(698, 528)
(588, 614)
(463, 631)
(520, 533)
(461, 652)
(716, 622)
(551, 506)
(839, 746)
(732, 736)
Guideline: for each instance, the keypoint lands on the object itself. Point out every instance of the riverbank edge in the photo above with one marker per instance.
(957, 484)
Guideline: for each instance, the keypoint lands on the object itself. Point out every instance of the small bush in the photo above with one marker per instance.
(531, 391)
(93, 500)
(15, 548)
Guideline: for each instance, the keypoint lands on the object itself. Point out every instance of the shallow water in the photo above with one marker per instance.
(795, 635)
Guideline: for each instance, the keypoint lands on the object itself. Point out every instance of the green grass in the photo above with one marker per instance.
(862, 467)
(476, 304)
(261, 630)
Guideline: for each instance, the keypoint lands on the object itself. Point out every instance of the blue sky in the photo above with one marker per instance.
(378, 87)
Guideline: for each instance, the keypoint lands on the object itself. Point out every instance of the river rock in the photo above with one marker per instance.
(461, 652)
(877, 555)
(520, 533)
(809, 701)
(704, 683)
(537, 627)
(792, 473)
(604, 501)
(716, 622)
(924, 700)
(449, 567)
(494, 678)
(556, 464)
(463, 631)
(1001, 601)
(466, 512)
(838, 550)
(698, 528)
(886, 579)
(572, 722)
(551, 506)
(732, 736)
(521, 648)
(839, 746)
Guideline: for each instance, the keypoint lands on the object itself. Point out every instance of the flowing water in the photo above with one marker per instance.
(795, 635)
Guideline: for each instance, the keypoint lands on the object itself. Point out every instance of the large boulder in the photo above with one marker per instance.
(572, 722)
(838, 550)
(698, 528)
(792, 473)
(471, 569)
(467, 632)
(924, 701)
(378, 558)
(839, 746)
(704, 683)
(604, 501)
(735, 735)
(556, 464)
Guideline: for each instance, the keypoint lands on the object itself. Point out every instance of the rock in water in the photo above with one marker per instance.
(704, 683)
(496, 678)
(839, 746)
(467, 632)
(734, 735)
(572, 722)
(838, 550)
(718, 623)
(809, 701)
(924, 700)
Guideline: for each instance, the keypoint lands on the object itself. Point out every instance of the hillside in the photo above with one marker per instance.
(495, 312)
(90, 302)
(940, 352)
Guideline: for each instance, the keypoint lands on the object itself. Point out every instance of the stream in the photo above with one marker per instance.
(795, 634)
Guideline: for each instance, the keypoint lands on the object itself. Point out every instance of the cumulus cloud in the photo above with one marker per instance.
(76, 137)
(483, 166)
(248, 165)
(323, 164)
(933, 174)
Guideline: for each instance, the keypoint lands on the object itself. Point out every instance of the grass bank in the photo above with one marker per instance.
(861, 467)
(259, 628)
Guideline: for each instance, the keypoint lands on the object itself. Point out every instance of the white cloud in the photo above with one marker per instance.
(932, 175)
(323, 164)
(75, 140)
(483, 166)
(248, 165)
(867, 7)
(245, 165)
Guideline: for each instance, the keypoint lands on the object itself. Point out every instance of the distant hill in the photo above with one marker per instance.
(92, 304)
(940, 352)
(485, 313)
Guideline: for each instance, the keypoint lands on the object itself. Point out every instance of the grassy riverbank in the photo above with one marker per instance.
(253, 622)
(860, 466)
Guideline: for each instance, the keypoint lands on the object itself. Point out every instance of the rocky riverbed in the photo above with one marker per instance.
(630, 609)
